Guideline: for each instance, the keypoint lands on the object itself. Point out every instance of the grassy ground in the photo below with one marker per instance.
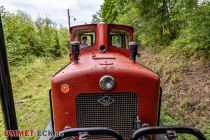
(186, 88)
(30, 88)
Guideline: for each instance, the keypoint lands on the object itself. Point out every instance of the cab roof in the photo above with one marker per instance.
(94, 25)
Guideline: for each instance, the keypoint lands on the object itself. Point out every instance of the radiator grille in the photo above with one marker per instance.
(112, 110)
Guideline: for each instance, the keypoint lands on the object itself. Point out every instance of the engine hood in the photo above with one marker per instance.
(102, 64)
(84, 77)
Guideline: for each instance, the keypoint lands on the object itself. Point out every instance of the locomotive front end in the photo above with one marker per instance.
(105, 88)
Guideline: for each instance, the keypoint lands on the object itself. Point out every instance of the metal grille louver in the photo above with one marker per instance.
(112, 110)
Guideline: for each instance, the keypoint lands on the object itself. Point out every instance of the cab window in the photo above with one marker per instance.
(86, 37)
(119, 38)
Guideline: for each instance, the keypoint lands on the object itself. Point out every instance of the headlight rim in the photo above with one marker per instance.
(102, 81)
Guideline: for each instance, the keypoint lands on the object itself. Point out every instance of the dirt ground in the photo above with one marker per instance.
(186, 87)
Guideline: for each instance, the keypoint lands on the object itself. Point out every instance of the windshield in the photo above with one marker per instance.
(86, 37)
(119, 38)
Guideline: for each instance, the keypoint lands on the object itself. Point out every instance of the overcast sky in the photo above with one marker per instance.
(82, 10)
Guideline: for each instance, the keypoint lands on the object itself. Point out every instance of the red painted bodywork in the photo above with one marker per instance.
(84, 76)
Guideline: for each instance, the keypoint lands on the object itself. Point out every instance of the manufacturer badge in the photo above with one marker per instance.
(106, 101)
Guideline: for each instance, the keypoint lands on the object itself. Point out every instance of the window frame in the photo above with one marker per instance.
(123, 42)
(92, 31)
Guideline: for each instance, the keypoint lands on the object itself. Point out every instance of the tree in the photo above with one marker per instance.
(109, 11)
(2, 11)
(96, 17)
(195, 37)
(26, 39)
(163, 22)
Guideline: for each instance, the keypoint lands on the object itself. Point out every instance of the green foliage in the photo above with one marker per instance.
(195, 37)
(182, 23)
(109, 11)
(63, 38)
(166, 119)
(2, 11)
(96, 17)
(27, 39)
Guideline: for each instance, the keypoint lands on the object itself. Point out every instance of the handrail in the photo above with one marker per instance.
(93, 131)
(163, 130)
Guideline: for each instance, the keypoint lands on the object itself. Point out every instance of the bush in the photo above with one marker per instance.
(195, 37)
(26, 39)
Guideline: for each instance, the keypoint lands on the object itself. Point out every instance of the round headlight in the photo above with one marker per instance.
(107, 82)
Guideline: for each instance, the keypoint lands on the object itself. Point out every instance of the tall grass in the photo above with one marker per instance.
(30, 85)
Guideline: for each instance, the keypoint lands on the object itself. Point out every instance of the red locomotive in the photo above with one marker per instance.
(103, 86)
